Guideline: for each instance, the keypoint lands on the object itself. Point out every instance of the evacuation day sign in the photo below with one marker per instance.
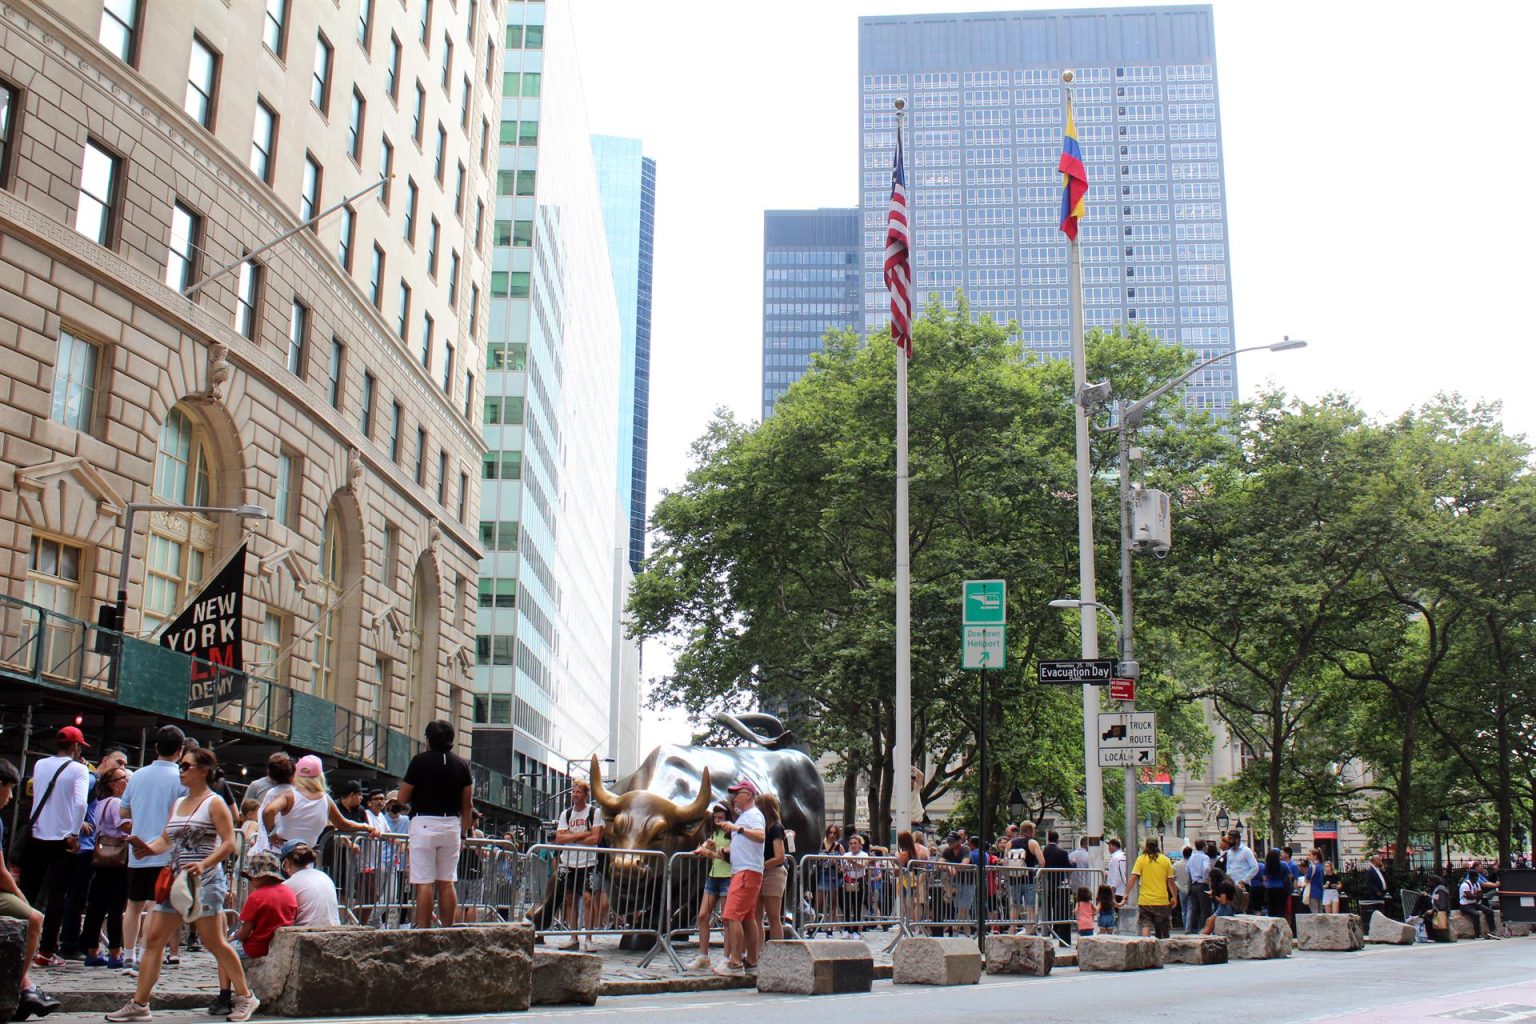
(208, 629)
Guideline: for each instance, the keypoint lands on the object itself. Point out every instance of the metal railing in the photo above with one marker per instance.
(852, 894)
(595, 890)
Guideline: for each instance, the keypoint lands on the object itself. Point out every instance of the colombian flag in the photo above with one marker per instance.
(1074, 177)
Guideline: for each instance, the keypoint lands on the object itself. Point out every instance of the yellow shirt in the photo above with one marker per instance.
(1155, 873)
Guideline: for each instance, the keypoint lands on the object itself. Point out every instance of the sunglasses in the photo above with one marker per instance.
(185, 765)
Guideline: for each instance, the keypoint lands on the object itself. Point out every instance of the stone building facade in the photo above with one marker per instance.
(331, 379)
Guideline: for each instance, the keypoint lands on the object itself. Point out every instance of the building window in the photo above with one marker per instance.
(453, 278)
(447, 61)
(528, 133)
(376, 279)
(424, 353)
(480, 225)
(485, 144)
(10, 114)
(470, 22)
(403, 326)
(464, 105)
(334, 372)
(526, 181)
(474, 309)
(202, 83)
(320, 79)
(533, 37)
(442, 476)
(396, 414)
(348, 232)
(496, 536)
(365, 410)
(522, 233)
(100, 186)
(519, 284)
(434, 232)
(120, 29)
(309, 190)
(269, 649)
(392, 69)
(285, 505)
(458, 193)
(248, 299)
(439, 160)
(298, 335)
(421, 456)
(411, 193)
(426, 21)
(463, 513)
(531, 83)
(365, 23)
(386, 169)
(391, 559)
(74, 382)
(502, 466)
(447, 378)
(180, 544)
(469, 392)
(53, 584)
(275, 29)
(181, 259)
(263, 140)
(419, 118)
(355, 126)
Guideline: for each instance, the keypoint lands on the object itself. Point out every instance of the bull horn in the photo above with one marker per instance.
(600, 796)
(700, 806)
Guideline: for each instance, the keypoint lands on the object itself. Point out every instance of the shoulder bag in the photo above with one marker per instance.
(23, 837)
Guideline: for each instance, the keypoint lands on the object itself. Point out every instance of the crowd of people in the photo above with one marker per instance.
(128, 865)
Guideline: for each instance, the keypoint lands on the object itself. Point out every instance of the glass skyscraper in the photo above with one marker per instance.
(984, 128)
(550, 514)
(810, 286)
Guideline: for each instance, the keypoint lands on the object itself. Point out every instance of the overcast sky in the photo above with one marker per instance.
(1378, 174)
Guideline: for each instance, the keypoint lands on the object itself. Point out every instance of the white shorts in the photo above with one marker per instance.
(434, 848)
(1330, 897)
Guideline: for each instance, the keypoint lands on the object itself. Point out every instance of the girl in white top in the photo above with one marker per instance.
(303, 812)
(312, 888)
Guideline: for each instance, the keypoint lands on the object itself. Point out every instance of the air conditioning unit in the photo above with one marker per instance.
(1151, 521)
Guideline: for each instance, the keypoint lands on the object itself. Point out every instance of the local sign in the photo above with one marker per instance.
(1127, 739)
(983, 647)
(1076, 670)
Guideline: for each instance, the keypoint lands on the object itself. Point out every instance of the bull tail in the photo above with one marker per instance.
(758, 727)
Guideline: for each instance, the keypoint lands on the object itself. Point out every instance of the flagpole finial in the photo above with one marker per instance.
(1067, 76)
(900, 104)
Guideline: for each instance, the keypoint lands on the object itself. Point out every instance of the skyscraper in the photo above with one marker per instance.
(984, 103)
(810, 286)
(550, 509)
(626, 179)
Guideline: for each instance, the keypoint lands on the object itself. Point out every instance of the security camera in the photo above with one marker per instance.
(1093, 394)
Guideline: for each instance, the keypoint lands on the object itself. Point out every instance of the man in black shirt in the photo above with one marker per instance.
(440, 791)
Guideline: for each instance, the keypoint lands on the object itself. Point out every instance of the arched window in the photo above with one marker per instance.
(332, 592)
(181, 544)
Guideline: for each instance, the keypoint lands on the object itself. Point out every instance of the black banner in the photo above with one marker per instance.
(208, 629)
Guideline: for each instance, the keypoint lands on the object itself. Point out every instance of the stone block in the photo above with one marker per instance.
(13, 944)
(353, 972)
(1118, 953)
(561, 977)
(1520, 929)
(925, 960)
(1194, 949)
(1020, 954)
(1250, 937)
(1383, 929)
(1331, 932)
(815, 967)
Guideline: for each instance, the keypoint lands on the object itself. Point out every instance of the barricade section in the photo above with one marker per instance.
(846, 893)
(601, 891)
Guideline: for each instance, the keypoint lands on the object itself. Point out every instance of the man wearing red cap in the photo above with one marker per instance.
(743, 924)
(60, 786)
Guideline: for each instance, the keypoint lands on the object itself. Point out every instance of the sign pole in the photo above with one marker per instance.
(985, 824)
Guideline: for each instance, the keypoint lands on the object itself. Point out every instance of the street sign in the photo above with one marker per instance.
(1129, 738)
(1075, 671)
(983, 603)
(1126, 757)
(984, 647)
(1122, 689)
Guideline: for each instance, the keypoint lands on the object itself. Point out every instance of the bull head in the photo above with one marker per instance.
(677, 817)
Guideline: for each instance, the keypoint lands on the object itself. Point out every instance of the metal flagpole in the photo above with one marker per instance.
(1088, 611)
(901, 789)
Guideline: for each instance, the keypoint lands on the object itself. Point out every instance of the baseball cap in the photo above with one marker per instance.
(263, 865)
(952, 837)
(309, 767)
(289, 847)
(744, 785)
(70, 734)
(184, 896)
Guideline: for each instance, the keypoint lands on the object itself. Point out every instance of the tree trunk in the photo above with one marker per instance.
(850, 790)
(1405, 789)
(883, 815)
(1276, 752)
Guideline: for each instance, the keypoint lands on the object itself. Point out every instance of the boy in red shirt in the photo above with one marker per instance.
(270, 906)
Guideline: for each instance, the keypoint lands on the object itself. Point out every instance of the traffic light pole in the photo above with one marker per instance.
(1127, 647)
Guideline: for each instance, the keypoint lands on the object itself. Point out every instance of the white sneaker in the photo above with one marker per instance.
(131, 1011)
(590, 947)
(701, 963)
(244, 1007)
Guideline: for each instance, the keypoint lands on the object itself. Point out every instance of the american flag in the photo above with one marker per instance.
(898, 266)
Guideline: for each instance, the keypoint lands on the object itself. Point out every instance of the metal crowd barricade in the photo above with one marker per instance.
(945, 897)
(838, 892)
(595, 890)
(686, 875)
(1056, 899)
(489, 879)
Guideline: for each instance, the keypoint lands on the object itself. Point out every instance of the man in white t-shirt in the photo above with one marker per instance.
(580, 824)
(60, 789)
(743, 924)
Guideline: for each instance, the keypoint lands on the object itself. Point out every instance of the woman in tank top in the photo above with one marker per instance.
(302, 813)
(200, 835)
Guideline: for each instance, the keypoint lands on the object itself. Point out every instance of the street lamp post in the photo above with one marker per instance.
(1444, 829)
(1129, 415)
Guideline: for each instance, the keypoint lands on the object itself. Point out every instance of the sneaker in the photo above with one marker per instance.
(590, 947)
(130, 966)
(97, 960)
(701, 963)
(49, 960)
(245, 1006)
(729, 970)
(115, 963)
(223, 1005)
(131, 1011)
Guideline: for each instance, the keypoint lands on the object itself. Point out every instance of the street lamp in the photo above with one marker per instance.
(1016, 804)
(1129, 416)
(1444, 825)
(1072, 602)
(120, 612)
(1222, 821)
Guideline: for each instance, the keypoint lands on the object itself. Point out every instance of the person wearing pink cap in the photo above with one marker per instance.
(303, 812)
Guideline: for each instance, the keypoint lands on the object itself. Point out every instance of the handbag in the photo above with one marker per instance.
(1440, 921)
(23, 837)
(110, 852)
(163, 885)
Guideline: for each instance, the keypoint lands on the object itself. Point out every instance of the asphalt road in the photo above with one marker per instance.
(1475, 981)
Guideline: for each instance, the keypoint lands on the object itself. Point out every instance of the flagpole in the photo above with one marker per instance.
(1093, 779)
(902, 759)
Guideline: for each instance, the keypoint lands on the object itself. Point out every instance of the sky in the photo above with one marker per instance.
(1361, 148)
